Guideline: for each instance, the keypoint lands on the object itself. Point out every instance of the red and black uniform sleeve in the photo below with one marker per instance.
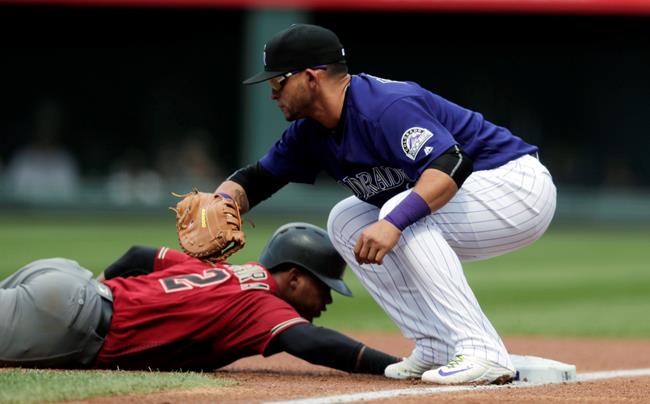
(136, 261)
(139, 260)
(165, 257)
(322, 346)
(192, 314)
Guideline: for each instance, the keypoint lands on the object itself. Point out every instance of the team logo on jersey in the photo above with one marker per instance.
(366, 184)
(413, 140)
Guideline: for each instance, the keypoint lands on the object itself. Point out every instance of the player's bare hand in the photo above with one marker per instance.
(375, 242)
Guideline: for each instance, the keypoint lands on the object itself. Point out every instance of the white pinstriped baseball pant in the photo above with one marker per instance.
(421, 284)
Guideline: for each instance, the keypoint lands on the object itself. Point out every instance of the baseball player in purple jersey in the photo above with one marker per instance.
(434, 184)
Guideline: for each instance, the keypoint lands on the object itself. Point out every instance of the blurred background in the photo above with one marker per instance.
(115, 103)
(107, 106)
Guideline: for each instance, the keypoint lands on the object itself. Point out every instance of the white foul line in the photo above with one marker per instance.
(416, 391)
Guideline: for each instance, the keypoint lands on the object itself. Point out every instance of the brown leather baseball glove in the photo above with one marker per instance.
(209, 225)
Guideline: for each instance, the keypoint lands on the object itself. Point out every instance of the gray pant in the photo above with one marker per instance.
(49, 311)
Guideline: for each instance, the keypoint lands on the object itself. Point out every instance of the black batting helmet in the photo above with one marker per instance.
(309, 247)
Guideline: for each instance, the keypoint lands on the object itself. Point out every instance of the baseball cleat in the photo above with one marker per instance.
(464, 369)
(408, 368)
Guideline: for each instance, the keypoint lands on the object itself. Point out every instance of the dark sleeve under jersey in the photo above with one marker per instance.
(455, 163)
(136, 261)
(257, 182)
(326, 347)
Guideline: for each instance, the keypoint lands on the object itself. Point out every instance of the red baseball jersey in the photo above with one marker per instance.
(191, 314)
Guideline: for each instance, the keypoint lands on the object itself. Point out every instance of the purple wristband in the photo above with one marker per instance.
(224, 195)
(409, 211)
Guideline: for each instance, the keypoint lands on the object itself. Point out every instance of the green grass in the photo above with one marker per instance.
(579, 281)
(575, 281)
(94, 241)
(37, 386)
(589, 281)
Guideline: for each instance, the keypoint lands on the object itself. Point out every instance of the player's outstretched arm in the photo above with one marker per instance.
(136, 261)
(326, 347)
(250, 185)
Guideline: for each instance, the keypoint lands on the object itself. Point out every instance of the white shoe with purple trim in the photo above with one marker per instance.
(408, 368)
(464, 369)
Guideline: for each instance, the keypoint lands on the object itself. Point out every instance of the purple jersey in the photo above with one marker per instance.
(390, 132)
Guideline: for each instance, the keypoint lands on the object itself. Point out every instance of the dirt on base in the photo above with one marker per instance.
(283, 377)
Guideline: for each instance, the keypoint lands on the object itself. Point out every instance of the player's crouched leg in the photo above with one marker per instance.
(503, 209)
(346, 221)
(395, 292)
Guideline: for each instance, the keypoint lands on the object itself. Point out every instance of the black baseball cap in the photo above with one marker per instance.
(299, 47)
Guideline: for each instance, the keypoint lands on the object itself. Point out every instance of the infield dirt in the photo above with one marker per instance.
(283, 377)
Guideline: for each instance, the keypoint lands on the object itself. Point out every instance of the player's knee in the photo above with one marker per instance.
(333, 218)
(332, 227)
(338, 218)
